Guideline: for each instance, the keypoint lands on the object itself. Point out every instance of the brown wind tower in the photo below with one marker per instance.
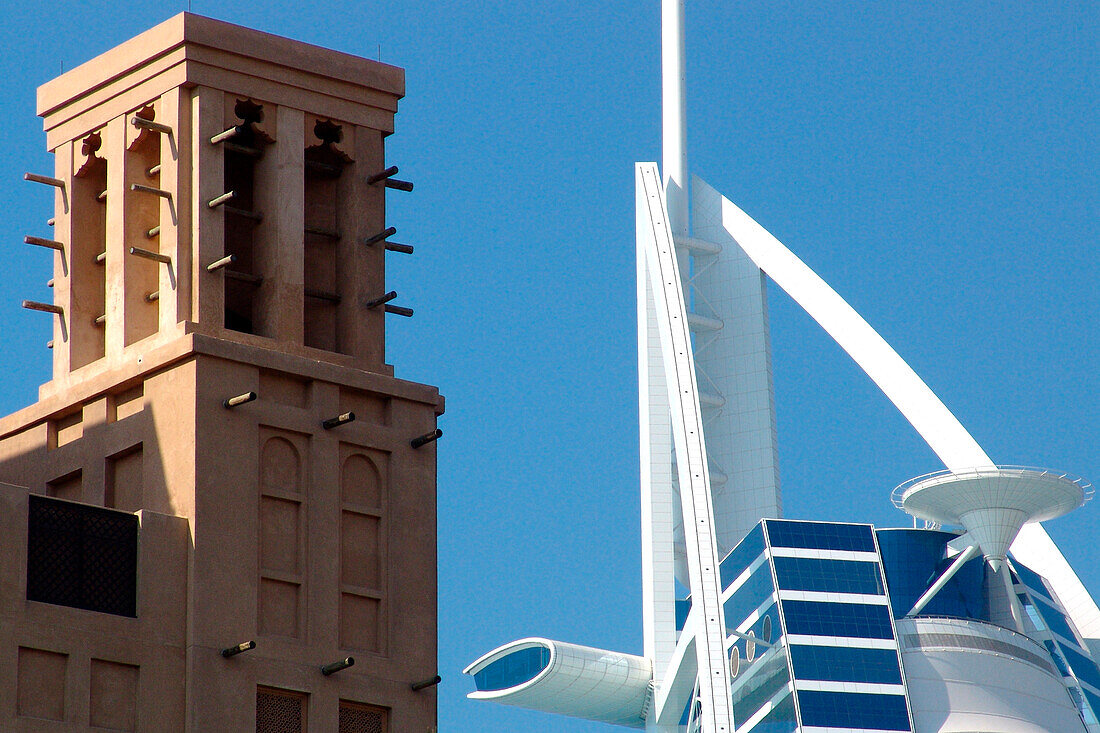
(220, 514)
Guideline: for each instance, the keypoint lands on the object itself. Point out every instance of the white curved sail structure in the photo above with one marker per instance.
(932, 420)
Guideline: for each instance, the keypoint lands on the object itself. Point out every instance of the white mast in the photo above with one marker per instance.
(673, 114)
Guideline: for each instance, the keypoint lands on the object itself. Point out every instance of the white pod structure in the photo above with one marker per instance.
(568, 679)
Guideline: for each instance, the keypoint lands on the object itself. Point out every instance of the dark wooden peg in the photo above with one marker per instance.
(424, 684)
(426, 438)
(335, 422)
(335, 667)
(381, 300)
(239, 399)
(382, 175)
(233, 651)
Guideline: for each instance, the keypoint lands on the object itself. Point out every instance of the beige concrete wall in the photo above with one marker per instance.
(317, 544)
(70, 669)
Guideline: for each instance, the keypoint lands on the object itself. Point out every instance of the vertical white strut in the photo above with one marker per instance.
(655, 236)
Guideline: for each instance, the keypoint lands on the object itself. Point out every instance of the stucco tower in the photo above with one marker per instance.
(222, 455)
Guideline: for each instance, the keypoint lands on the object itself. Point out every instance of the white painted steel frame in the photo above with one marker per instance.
(655, 239)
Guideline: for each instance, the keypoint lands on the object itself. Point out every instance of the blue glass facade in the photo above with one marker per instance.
(1032, 580)
(913, 558)
(749, 597)
(1083, 668)
(845, 664)
(741, 556)
(853, 710)
(821, 535)
(794, 563)
(780, 719)
(828, 576)
(1055, 620)
(856, 620)
(790, 685)
(751, 692)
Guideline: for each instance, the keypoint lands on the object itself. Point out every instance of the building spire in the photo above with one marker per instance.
(674, 124)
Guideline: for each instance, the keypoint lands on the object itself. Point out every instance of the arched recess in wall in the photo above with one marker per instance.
(361, 481)
(280, 466)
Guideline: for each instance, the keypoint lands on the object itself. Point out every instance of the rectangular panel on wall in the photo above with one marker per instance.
(846, 664)
(65, 430)
(360, 555)
(854, 620)
(114, 695)
(122, 405)
(125, 483)
(69, 487)
(368, 406)
(280, 607)
(284, 388)
(360, 627)
(280, 524)
(41, 684)
(828, 576)
(853, 710)
(280, 711)
(282, 507)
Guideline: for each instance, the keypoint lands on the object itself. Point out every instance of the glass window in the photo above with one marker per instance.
(1055, 620)
(765, 628)
(740, 557)
(746, 599)
(853, 710)
(1058, 661)
(837, 619)
(757, 682)
(820, 536)
(1083, 667)
(912, 559)
(845, 664)
(831, 576)
(1078, 695)
(1094, 704)
(780, 719)
(512, 669)
(1031, 579)
(683, 608)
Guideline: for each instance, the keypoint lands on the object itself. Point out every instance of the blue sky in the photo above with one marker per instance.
(936, 163)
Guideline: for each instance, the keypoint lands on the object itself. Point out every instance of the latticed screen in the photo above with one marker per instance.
(82, 556)
(357, 718)
(280, 711)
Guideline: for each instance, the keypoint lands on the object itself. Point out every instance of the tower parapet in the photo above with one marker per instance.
(223, 181)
